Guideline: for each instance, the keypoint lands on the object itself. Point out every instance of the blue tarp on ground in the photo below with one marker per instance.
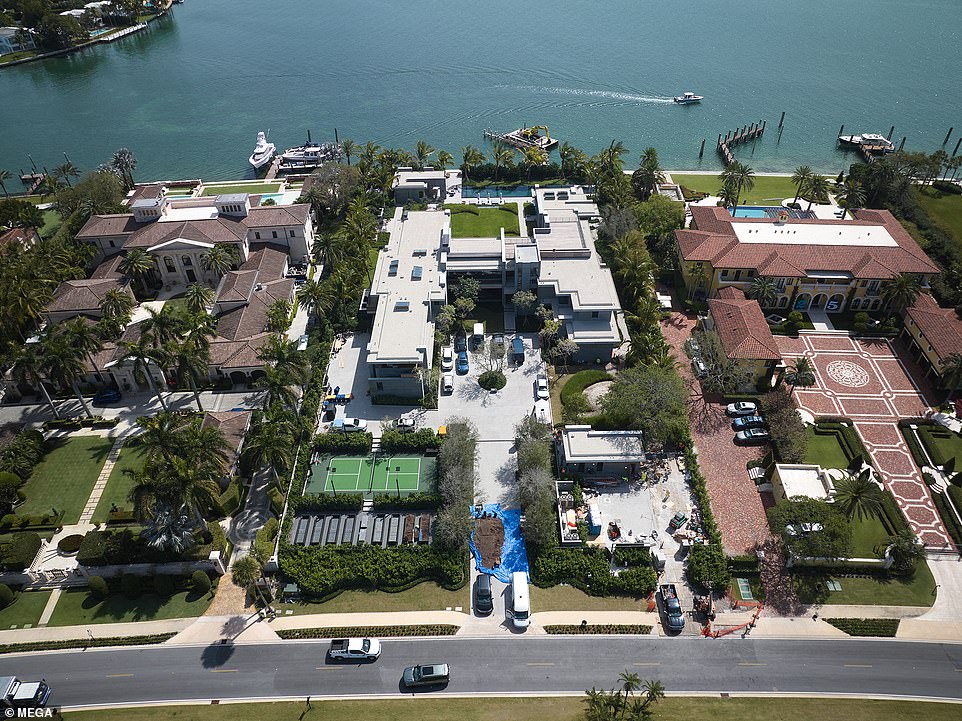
(514, 557)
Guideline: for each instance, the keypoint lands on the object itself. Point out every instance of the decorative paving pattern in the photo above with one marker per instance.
(867, 381)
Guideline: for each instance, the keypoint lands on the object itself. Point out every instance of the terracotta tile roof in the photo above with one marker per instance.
(237, 354)
(941, 327)
(19, 236)
(233, 424)
(713, 240)
(108, 268)
(82, 295)
(144, 190)
(237, 286)
(271, 215)
(216, 230)
(741, 327)
(119, 224)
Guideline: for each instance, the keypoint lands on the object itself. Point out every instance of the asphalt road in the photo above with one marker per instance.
(497, 666)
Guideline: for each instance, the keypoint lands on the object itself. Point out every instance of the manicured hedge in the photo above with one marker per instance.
(107, 548)
(952, 526)
(866, 626)
(264, 540)
(218, 537)
(74, 423)
(20, 552)
(415, 501)
(608, 628)
(323, 570)
(708, 565)
(631, 556)
(43, 520)
(86, 643)
(576, 385)
(327, 502)
(492, 380)
(743, 564)
(369, 631)
(230, 500)
(70, 544)
(347, 444)
(588, 569)
(421, 441)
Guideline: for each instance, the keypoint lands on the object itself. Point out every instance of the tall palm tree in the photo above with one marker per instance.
(81, 334)
(205, 443)
(648, 175)
(139, 264)
(729, 195)
(800, 373)
(851, 195)
(192, 359)
(194, 483)
(65, 171)
(534, 156)
(859, 496)
(116, 304)
(30, 218)
(246, 572)
(764, 290)
(198, 297)
(697, 275)
(443, 160)
(630, 682)
(422, 152)
(348, 147)
(502, 154)
(951, 371)
(124, 163)
(654, 691)
(901, 291)
(471, 158)
(162, 436)
(800, 178)
(284, 356)
(741, 177)
(24, 302)
(271, 445)
(309, 294)
(818, 188)
(143, 354)
(611, 157)
(65, 367)
(160, 328)
(169, 529)
(5, 175)
(28, 369)
(219, 259)
(278, 389)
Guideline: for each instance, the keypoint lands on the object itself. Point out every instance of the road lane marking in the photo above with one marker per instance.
(224, 670)
(650, 663)
(538, 663)
(328, 668)
(118, 675)
(858, 665)
(749, 663)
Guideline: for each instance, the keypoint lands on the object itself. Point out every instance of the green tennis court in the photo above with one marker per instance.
(353, 474)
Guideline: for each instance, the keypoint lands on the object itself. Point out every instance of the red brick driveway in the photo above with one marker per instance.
(735, 502)
(866, 381)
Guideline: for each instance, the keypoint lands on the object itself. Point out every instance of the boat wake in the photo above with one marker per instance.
(607, 94)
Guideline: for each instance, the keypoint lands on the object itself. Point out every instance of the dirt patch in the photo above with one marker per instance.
(488, 539)
(595, 391)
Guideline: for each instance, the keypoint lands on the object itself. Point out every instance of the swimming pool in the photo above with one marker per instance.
(773, 211)
(493, 191)
(278, 198)
(751, 212)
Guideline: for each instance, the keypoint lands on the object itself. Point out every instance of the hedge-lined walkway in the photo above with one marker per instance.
(865, 380)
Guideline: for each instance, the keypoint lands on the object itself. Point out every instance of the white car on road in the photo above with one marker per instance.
(541, 387)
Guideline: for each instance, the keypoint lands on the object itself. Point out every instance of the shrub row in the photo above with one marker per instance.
(915, 446)
(952, 526)
(322, 570)
(75, 423)
(576, 385)
(421, 441)
(23, 453)
(327, 502)
(866, 626)
(264, 540)
(343, 443)
(318, 352)
(107, 548)
(631, 556)
(848, 439)
(219, 538)
(369, 631)
(417, 501)
(708, 566)
(588, 569)
(85, 643)
(946, 187)
(19, 553)
(43, 520)
(926, 436)
(607, 628)
(743, 564)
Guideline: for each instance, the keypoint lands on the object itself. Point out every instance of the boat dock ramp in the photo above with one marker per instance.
(524, 138)
(736, 137)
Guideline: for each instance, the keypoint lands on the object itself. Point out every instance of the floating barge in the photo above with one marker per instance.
(524, 138)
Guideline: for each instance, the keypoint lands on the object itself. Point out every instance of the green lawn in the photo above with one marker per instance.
(869, 537)
(940, 448)
(427, 596)
(132, 458)
(918, 590)
(538, 709)
(51, 221)
(77, 607)
(65, 477)
(944, 207)
(25, 610)
(825, 450)
(252, 188)
(486, 223)
(768, 190)
(569, 598)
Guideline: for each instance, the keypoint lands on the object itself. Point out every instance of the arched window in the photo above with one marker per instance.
(186, 261)
(169, 264)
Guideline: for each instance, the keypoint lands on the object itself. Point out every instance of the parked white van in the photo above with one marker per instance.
(521, 603)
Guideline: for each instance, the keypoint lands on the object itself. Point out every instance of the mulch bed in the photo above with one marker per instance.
(489, 538)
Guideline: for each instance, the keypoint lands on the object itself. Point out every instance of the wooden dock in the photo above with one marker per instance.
(736, 137)
(517, 139)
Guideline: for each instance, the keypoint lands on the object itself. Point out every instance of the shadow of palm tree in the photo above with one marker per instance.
(217, 654)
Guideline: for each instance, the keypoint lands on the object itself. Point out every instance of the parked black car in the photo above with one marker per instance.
(483, 601)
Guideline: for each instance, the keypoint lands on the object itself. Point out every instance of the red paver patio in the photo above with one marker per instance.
(735, 502)
(867, 381)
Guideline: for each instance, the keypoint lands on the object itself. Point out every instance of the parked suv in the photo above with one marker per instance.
(427, 675)
(483, 601)
(740, 424)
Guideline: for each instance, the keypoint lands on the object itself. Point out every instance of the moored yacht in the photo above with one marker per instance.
(263, 151)
(687, 98)
(874, 141)
(310, 154)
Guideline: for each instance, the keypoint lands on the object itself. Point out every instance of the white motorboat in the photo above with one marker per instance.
(872, 141)
(263, 151)
(310, 154)
(688, 98)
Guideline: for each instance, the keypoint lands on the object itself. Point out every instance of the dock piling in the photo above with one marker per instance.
(781, 120)
(956, 151)
(891, 132)
(902, 144)
(841, 130)
(948, 135)
(702, 151)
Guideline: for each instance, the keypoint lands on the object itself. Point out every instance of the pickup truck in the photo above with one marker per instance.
(22, 694)
(355, 649)
(674, 618)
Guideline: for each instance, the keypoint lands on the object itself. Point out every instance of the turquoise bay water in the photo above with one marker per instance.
(189, 95)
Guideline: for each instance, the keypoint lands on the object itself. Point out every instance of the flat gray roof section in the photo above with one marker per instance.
(583, 445)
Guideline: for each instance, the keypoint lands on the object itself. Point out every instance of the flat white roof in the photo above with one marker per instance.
(584, 279)
(583, 445)
(804, 480)
(202, 212)
(854, 235)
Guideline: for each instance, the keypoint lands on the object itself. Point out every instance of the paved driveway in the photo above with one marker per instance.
(865, 380)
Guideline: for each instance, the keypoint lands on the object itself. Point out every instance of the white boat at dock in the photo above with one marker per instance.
(310, 155)
(524, 138)
(263, 151)
(688, 98)
(875, 142)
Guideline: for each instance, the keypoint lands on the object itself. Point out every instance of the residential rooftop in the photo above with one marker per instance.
(584, 445)
(941, 327)
(742, 329)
